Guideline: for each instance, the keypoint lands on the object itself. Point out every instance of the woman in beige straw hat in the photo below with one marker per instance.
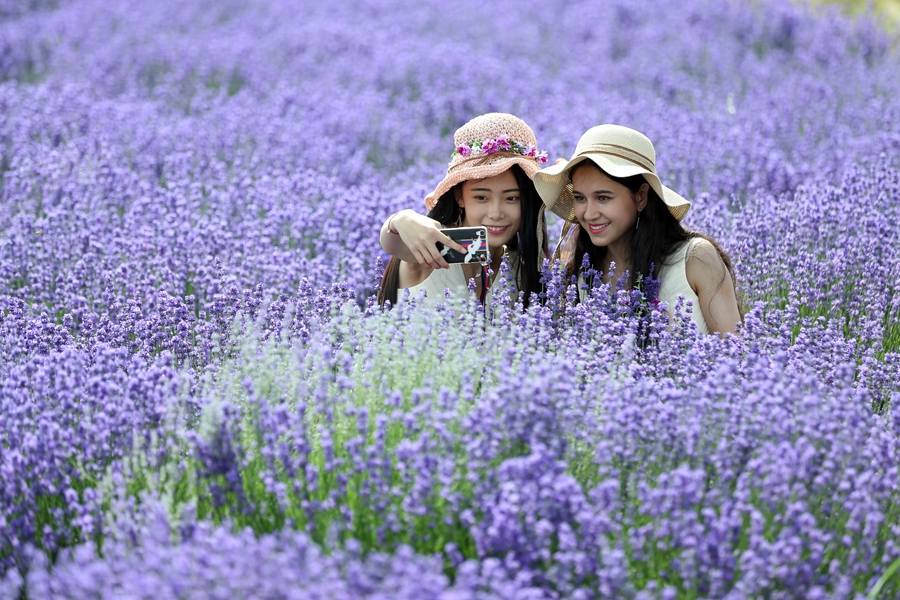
(626, 220)
(488, 183)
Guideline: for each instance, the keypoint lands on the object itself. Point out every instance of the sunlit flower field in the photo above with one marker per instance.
(200, 398)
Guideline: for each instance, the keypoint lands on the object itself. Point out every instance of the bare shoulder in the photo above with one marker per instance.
(703, 250)
(709, 277)
(704, 265)
(412, 274)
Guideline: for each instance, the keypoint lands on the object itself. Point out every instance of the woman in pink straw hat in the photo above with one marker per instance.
(624, 216)
(488, 183)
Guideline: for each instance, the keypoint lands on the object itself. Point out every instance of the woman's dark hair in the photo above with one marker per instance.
(659, 234)
(525, 270)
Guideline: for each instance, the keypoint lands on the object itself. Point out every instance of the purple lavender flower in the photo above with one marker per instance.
(192, 369)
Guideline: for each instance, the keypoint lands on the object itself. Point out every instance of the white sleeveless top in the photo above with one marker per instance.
(674, 280)
(453, 280)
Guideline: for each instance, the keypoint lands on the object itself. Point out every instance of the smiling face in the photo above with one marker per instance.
(496, 203)
(606, 209)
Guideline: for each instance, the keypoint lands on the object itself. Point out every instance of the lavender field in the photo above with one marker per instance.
(199, 397)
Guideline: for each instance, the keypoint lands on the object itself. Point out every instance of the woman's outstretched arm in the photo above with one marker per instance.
(413, 238)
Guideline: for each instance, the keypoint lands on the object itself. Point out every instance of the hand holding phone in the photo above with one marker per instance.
(472, 239)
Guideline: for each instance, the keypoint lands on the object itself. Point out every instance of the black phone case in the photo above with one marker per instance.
(473, 239)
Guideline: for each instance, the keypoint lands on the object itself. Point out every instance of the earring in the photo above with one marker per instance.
(638, 222)
(459, 216)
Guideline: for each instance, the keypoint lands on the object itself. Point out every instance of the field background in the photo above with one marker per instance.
(887, 9)
(200, 399)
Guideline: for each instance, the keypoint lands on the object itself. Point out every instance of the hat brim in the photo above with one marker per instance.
(465, 173)
(554, 186)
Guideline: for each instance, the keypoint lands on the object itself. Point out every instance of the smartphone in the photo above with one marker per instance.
(472, 239)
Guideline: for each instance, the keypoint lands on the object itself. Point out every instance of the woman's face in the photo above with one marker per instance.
(606, 210)
(494, 202)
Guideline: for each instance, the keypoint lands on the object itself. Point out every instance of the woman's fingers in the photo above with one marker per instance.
(449, 242)
(428, 255)
(431, 257)
(439, 261)
(421, 258)
(423, 242)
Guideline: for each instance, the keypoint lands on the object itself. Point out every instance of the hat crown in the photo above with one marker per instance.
(620, 152)
(493, 125)
(611, 138)
(487, 146)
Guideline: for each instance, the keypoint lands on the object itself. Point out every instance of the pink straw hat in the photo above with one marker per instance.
(487, 146)
(620, 152)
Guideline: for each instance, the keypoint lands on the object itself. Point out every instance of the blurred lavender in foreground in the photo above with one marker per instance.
(677, 463)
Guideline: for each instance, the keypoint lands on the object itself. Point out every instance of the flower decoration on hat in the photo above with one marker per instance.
(501, 143)
(487, 146)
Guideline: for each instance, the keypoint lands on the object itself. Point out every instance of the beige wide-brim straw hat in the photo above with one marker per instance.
(487, 146)
(620, 152)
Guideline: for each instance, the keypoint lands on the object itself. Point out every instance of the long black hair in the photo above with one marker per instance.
(525, 243)
(659, 234)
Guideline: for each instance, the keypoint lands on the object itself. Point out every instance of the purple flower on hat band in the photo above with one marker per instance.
(490, 146)
(503, 142)
(463, 150)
